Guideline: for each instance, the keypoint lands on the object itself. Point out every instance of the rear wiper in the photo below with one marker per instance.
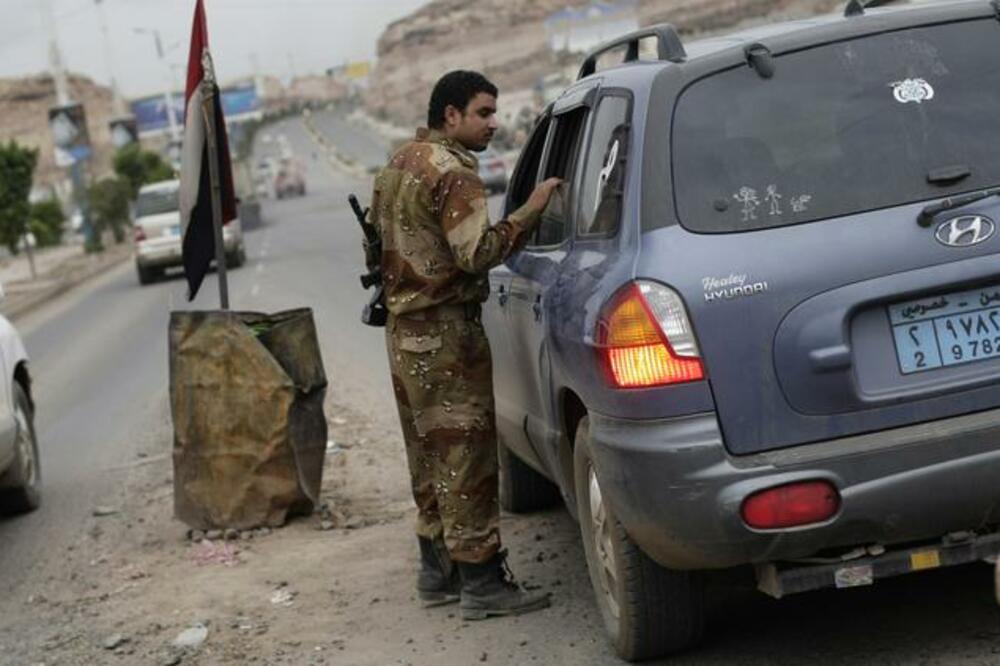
(926, 216)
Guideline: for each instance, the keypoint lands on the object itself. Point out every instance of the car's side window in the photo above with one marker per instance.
(563, 155)
(603, 180)
(526, 174)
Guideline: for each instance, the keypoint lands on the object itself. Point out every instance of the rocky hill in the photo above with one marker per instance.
(506, 40)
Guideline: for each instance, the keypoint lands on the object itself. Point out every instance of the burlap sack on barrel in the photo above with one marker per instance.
(246, 394)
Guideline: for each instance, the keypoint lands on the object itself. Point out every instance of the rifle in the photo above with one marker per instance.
(374, 313)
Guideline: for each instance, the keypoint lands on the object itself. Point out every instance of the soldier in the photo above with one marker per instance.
(437, 247)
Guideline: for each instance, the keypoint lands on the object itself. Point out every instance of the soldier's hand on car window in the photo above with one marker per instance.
(539, 198)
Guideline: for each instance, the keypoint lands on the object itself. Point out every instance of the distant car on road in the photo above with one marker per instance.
(157, 231)
(20, 474)
(289, 181)
(263, 176)
(492, 171)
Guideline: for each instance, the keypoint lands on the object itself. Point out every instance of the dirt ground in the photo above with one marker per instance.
(333, 588)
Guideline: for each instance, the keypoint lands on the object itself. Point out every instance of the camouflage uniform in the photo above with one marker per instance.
(437, 246)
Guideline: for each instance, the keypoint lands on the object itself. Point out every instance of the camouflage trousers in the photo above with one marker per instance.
(442, 376)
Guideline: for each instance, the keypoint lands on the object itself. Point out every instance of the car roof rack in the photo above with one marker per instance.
(858, 7)
(668, 47)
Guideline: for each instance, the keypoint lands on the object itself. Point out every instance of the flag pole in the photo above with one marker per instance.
(208, 103)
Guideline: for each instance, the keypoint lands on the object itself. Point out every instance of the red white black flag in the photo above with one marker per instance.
(196, 185)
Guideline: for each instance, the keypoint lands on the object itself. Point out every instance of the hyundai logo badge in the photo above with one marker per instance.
(965, 230)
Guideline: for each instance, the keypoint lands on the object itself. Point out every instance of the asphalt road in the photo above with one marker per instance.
(99, 359)
(98, 355)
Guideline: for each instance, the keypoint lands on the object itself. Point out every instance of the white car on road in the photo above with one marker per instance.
(158, 236)
(19, 468)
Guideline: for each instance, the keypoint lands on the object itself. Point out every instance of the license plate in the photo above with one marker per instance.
(953, 329)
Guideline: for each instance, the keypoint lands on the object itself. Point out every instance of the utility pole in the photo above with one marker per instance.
(175, 135)
(117, 102)
(79, 186)
(258, 80)
(55, 58)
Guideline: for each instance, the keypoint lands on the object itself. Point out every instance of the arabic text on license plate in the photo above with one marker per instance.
(946, 330)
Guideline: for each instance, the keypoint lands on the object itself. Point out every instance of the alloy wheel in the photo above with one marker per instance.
(602, 533)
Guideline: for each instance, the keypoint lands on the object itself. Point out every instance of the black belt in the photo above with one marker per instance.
(457, 312)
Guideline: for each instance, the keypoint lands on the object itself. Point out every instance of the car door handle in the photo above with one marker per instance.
(536, 307)
(502, 296)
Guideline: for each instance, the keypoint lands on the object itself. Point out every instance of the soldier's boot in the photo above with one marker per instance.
(488, 589)
(438, 581)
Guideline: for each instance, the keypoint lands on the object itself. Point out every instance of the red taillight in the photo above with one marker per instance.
(791, 505)
(138, 234)
(635, 351)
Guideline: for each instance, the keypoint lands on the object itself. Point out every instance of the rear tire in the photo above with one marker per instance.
(237, 259)
(522, 489)
(648, 610)
(20, 484)
(146, 274)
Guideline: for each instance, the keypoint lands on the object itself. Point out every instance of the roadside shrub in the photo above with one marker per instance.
(109, 199)
(46, 221)
(17, 167)
(136, 167)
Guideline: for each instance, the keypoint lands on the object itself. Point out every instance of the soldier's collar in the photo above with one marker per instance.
(463, 154)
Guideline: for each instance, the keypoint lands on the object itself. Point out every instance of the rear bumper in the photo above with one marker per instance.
(678, 492)
(153, 254)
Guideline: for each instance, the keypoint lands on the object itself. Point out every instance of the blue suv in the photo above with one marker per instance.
(761, 323)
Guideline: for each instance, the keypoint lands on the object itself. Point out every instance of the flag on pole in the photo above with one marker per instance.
(196, 187)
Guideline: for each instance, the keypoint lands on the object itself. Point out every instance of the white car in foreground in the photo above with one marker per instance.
(19, 469)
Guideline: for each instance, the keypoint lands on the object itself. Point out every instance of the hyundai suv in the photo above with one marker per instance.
(760, 325)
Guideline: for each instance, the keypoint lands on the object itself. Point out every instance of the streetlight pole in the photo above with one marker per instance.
(118, 103)
(175, 136)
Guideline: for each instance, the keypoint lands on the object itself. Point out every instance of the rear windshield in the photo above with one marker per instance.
(154, 203)
(855, 126)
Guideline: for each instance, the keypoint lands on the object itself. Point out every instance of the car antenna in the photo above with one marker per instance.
(760, 59)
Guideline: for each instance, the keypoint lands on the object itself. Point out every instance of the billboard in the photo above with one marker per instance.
(238, 103)
(68, 125)
(124, 131)
(151, 113)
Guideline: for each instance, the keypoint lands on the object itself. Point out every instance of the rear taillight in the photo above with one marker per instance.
(645, 339)
(791, 505)
(138, 233)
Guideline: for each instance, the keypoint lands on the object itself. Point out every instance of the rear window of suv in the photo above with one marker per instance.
(842, 128)
(155, 202)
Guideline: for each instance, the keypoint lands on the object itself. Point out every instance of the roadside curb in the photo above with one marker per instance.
(15, 306)
(336, 161)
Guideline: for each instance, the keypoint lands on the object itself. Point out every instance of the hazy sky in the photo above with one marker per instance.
(307, 35)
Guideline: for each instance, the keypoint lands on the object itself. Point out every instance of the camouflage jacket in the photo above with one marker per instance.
(429, 207)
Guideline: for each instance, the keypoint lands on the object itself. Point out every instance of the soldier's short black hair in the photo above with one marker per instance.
(457, 89)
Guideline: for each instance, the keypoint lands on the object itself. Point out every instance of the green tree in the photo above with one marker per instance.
(109, 207)
(17, 166)
(137, 167)
(45, 221)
